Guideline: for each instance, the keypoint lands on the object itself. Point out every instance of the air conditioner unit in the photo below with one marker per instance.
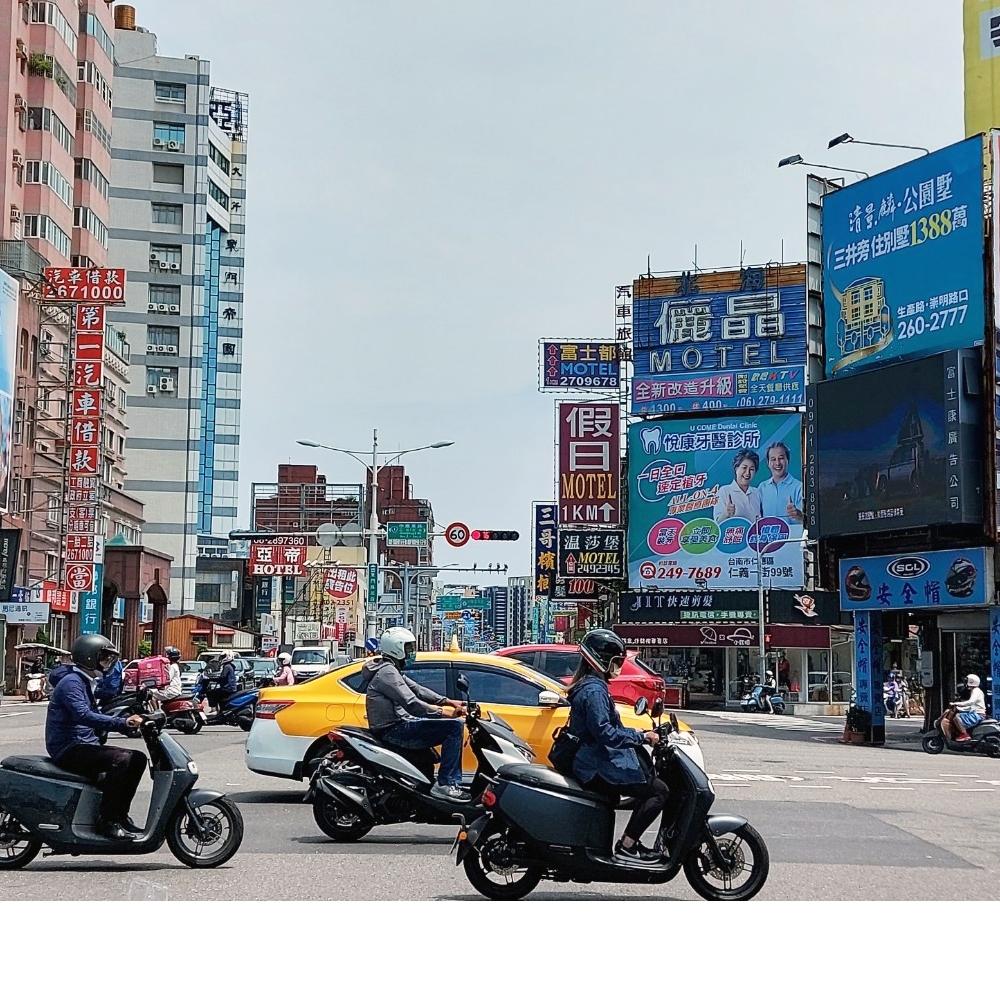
(173, 145)
(163, 265)
(15, 214)
(18, 160)
(169, 349)
(44, 348)
(163, 307)
(158, 142)
(151, 389)
(174, 266)
(152, 307)
(20, 104)
(175, 309)
(166, 384)
(153, 256)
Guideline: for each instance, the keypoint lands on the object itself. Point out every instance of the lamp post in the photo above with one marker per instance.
(847, 137)
(796, 160)
(374, 469)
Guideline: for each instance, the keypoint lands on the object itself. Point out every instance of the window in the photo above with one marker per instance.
(168, 136)
(163, 380)
(163, 254)
(495, 687)
(168, 295)
(42, 64)
(122, 398)
(19, 421)
(85, 218)
(42, 172)
(169, 173)
(168, 215)
(15, 496)
(34, 357)
(89, 25)
(176, 93)
(163, 340)
(430, 675)
(89, 122)
(49, 13)
(52, 514)
(86, 170)
(87, 72)
(218, 159)
(217, 194)
(207, 593)
(46, 120)
(51, 566)
(43, 228)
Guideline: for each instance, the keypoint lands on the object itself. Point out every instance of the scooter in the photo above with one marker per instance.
(235, 710)
(184, 714)
(895, 700)
(362, 783)
(42, 805)
(35, 686)
(983, 738)
(753, 701)
(540, 824)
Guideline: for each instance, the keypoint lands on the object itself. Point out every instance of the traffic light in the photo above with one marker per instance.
(495, 536)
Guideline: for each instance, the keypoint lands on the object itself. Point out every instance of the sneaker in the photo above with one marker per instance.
(114, 831)
(130, 827)
(453, 793)
(962, 738)
(638, 853)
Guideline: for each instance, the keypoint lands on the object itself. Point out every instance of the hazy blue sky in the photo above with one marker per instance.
(436, 186)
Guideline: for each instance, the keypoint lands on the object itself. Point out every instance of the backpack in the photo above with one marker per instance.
(565, 747)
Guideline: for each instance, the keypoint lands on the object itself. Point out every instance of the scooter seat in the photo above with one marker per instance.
(539, 776)
(42, 767)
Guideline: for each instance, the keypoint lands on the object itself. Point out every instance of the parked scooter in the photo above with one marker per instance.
(36, 685)
(362, 783)
(896, 699)
(540, 824)
(753, 701)
(42, 805)
(983, 738)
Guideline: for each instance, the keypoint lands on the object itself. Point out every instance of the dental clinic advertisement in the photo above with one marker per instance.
(713, 502)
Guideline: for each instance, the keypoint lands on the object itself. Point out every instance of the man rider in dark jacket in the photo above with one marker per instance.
(218, 689)
(73, 728)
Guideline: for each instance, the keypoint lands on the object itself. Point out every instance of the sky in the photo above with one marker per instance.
(435, 187)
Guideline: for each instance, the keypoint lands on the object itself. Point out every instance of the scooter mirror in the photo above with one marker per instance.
(657, 710)
(642, 706)
(462, 683)
(674, 725)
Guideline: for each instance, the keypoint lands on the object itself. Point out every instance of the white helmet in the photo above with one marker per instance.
(284, 659)
(394, 642)
(972, 681)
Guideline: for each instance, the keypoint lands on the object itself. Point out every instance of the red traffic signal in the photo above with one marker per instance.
(495, 536)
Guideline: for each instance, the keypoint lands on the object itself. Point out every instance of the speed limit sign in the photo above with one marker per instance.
(456, 534)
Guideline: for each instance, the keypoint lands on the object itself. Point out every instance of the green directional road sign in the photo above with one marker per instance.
(406, 531)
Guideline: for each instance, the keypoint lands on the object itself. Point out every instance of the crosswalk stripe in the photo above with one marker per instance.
(802, 723)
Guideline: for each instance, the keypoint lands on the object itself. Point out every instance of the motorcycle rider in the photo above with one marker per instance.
(217, 690)
(110, 685)
(767, 689)
(406, 716)
(963, 715)
(72, 734)
(285, 675)
(607, 760)
(172, 689)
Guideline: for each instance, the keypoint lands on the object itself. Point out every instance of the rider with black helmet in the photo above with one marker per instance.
(72, 734)
(172, 689)
(607, 760)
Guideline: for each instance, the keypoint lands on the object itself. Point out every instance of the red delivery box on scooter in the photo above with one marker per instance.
(150, 668)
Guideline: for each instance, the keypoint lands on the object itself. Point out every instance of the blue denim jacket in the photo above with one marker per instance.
(607, 748)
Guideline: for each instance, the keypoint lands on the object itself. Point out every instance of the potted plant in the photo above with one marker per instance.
(856, 724)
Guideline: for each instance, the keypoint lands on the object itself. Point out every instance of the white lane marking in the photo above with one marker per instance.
(797, 771)
(958, 775)
(800, 723)
(13, 715)
(810, 786)
(903, 773)
(975, 789)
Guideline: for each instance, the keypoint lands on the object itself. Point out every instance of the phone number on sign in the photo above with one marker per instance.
(572, 381)
(86, 293)
(936, 321)
(650, 572)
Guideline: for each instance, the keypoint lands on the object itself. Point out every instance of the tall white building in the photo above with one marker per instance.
(178, 201)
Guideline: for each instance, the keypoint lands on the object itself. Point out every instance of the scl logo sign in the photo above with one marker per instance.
(908, 567)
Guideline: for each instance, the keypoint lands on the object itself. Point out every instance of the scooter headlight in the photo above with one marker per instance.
(526, 753)
(192, 767)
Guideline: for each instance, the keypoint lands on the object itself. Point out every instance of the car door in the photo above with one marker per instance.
(431, 674)
(515, 699)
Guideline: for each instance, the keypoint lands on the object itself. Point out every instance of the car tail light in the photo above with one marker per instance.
(269, 709)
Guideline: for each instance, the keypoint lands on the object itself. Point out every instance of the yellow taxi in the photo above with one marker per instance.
(291, 723)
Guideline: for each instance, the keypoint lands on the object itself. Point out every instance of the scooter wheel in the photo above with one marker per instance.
(16, 848)
(244, 723)
(992, 747)
(932, 743)
(494, 873)
(779, 709)
(213, 840)
(746, 849)
(337, 823)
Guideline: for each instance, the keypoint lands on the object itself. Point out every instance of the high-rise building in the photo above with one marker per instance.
(496, 618)
(519, 591)
(55, 163)
(178, 202)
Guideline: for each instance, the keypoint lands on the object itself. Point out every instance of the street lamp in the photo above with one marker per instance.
(796, 160)
(847, 137)
(374, 469)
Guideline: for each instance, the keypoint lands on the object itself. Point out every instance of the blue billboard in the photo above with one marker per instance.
(952, 578)
(903, 268)
(721, 340)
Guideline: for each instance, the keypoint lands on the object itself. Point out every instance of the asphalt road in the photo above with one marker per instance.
(840, 822)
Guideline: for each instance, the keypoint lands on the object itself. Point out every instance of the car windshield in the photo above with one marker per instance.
(308, 656)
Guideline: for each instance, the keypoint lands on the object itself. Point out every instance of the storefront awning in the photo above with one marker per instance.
(201, 631)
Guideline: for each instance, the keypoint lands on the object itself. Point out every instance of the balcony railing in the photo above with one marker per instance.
(20, 260)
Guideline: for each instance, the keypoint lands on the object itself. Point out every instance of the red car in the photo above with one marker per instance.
(560, 662)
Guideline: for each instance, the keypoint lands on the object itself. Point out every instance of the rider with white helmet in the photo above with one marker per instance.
(963, 715)
(285, 675)
(407, 716)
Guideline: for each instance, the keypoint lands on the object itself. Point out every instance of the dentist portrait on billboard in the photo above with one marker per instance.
(781, 495)
(739, 498)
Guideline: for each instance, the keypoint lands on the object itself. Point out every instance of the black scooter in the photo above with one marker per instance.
(983, 738)
(540, 824)
(42, 805)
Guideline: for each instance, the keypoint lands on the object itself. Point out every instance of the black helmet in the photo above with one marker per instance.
(172, 653)
(599, 647)
(94, 652)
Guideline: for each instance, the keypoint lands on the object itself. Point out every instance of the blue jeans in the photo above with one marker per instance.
(422, 734)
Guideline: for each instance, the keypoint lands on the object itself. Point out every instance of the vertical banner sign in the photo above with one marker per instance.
(589, 464)
(10, 544)
(868, 669)
(546, 541)
(981, 23)
(9, 289)
(372, 587)
(995, 659)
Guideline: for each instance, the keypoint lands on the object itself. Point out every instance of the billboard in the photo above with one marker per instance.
(900, 447)
(75, 284)
(952, 578)
(577, 364)
(9, 289)
(595, 553)
(589, 452)
(546, 522)
(982, 65)
(903, 261)
(722, 340)
(281, 556)
(707, 497)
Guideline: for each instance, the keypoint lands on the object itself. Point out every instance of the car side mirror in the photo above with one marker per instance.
(548, 699)
(642, 706)
(657, 710)
(462, 683)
